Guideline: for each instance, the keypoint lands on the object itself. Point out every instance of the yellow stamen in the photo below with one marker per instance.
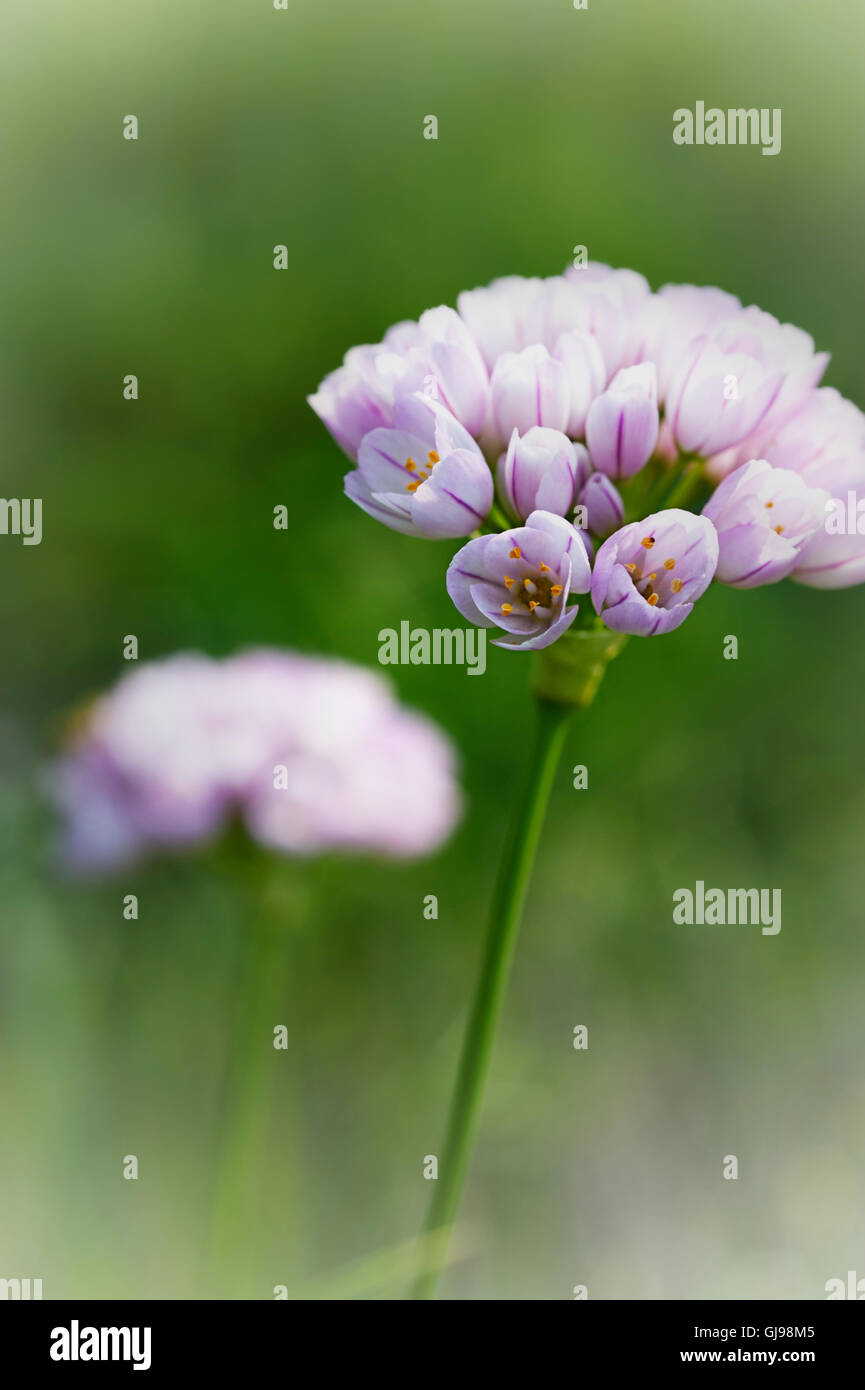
(507, 608)
(555, 590)
(652, 600)
(630, 568)
(412, 487)
(533, 603)
(676, 585)
(410, 465)
(515, 553)
(779, 529)
(545, 569)
(648, 542)
(433, 456)
(508, 581)
(770, 504)
(669, 564)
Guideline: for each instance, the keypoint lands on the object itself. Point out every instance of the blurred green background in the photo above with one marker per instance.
(304, 127)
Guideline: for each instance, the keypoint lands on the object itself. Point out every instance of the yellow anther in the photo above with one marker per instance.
(545, 569)
(507, 608)
(555, 590)
(669, 564)
(533, 603)
(433, 456)
(508, 581)
(410, 465)
(652, 599)
(779, 529)
(648, 542)
(630, 568)
(676, 585)
(515, 553)
(770, 504)
(412, 487)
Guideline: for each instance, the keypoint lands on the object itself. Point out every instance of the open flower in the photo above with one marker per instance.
(521, 580)
(425, 476)
(542, 470)
(180, 746)
(622, 424)
(648, 576)
(764, 516)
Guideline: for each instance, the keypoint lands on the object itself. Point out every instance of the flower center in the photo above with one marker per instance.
(417, 474)
(531, 591)
(657, 585)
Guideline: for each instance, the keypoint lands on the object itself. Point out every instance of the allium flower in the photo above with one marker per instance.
(497, 314)
(542, 470)
(521, 580)
(586, 374)
(824, 443)
(832, 561)
(529, 388)
(180, 746)
(747, 376)
(648, 576)
(359, 396)
(622, 424)
(560, 385)
(764, 516)
(602, 500)
(610, 302)
(668, 321)
(449, 354)
(426, 476)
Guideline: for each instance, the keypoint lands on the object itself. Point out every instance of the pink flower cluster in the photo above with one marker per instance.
(310, 754)
(565, 397)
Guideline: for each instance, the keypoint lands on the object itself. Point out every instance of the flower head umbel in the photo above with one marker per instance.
(648, 576)
(521, 580)
(592, 399)
(311, 754)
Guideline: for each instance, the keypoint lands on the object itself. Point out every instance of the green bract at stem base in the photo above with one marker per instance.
(565, 678)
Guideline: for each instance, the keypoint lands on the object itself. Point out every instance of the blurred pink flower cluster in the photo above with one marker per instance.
(311, 754)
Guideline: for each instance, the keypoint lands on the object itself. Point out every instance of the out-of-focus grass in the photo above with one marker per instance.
(304, 127)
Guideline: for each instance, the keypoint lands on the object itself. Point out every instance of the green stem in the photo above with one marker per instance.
(510, 893)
